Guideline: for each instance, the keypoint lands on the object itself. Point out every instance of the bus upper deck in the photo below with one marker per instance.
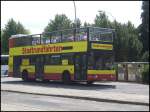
(90, 34)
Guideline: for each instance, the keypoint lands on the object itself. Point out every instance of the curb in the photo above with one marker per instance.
(83, 98)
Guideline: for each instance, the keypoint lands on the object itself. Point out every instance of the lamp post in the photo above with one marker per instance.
(75, 13)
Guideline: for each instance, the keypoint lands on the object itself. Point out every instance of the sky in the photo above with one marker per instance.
(35, 15)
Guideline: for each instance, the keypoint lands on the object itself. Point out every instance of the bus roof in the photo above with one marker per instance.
(4, 55)
(21, 35)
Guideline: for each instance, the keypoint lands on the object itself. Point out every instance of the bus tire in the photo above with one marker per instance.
(25, 75)
(45, 80)
(66, 77)
(90, 82)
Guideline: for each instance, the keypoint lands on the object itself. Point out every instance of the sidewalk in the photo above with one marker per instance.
(80, 94)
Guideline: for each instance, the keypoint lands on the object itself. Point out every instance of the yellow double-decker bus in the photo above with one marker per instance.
(79, 54)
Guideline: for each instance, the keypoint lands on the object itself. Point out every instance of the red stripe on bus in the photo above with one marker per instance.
(107, 77)
(55, 76)
(72, 77)
(31, 75)
(11, 42)
(49, 76)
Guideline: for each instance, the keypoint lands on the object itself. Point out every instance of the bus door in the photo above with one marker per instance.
(80, 67)
(39, 67)
(16, 66)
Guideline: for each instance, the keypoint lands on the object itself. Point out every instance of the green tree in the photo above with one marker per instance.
(1, 38)
(77, 24)
(127, 47)
(86, 24)
(144, 30)
(60, 22)
(145, 56)
(1, 32)
(20, 29)
(11, 28)
(101, 20)
(135, 45)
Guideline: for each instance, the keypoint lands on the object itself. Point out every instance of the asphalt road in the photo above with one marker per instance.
(118, 87)
(11, 101)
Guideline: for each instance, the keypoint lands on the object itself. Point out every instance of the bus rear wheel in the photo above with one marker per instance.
(25, 75)
(66, 78)
(90, 82)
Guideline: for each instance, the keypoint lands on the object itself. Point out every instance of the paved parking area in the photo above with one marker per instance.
(125, 92)
(121, 87)
(11, 101)
(127, 87)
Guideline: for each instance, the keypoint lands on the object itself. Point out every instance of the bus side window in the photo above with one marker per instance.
(47, 59)
(32, 60)
(69, 58)
(25, 61)
(91, 61)
(55, 60)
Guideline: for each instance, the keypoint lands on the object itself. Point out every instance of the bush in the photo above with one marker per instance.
(145, 56)
(145, 74)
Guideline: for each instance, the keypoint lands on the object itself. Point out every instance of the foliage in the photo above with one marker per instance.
(144, 30)
(86, 24)
(145, 74)
(127, 46)
(145, 56)
(144, 27)
(1, 32)
(11, 28)
(101, 20)
(77, 24)
(60, 22)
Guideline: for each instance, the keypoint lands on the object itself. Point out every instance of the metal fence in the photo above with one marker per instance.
(130, 71)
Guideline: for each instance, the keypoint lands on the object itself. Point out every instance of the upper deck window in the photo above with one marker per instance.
(67, 36)
(81, 34)
(103, 35)
(35, 40)
(23, 41)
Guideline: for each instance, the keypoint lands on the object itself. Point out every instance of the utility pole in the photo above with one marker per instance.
(75, 14)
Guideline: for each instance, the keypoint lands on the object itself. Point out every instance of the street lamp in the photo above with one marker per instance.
(75, 13)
